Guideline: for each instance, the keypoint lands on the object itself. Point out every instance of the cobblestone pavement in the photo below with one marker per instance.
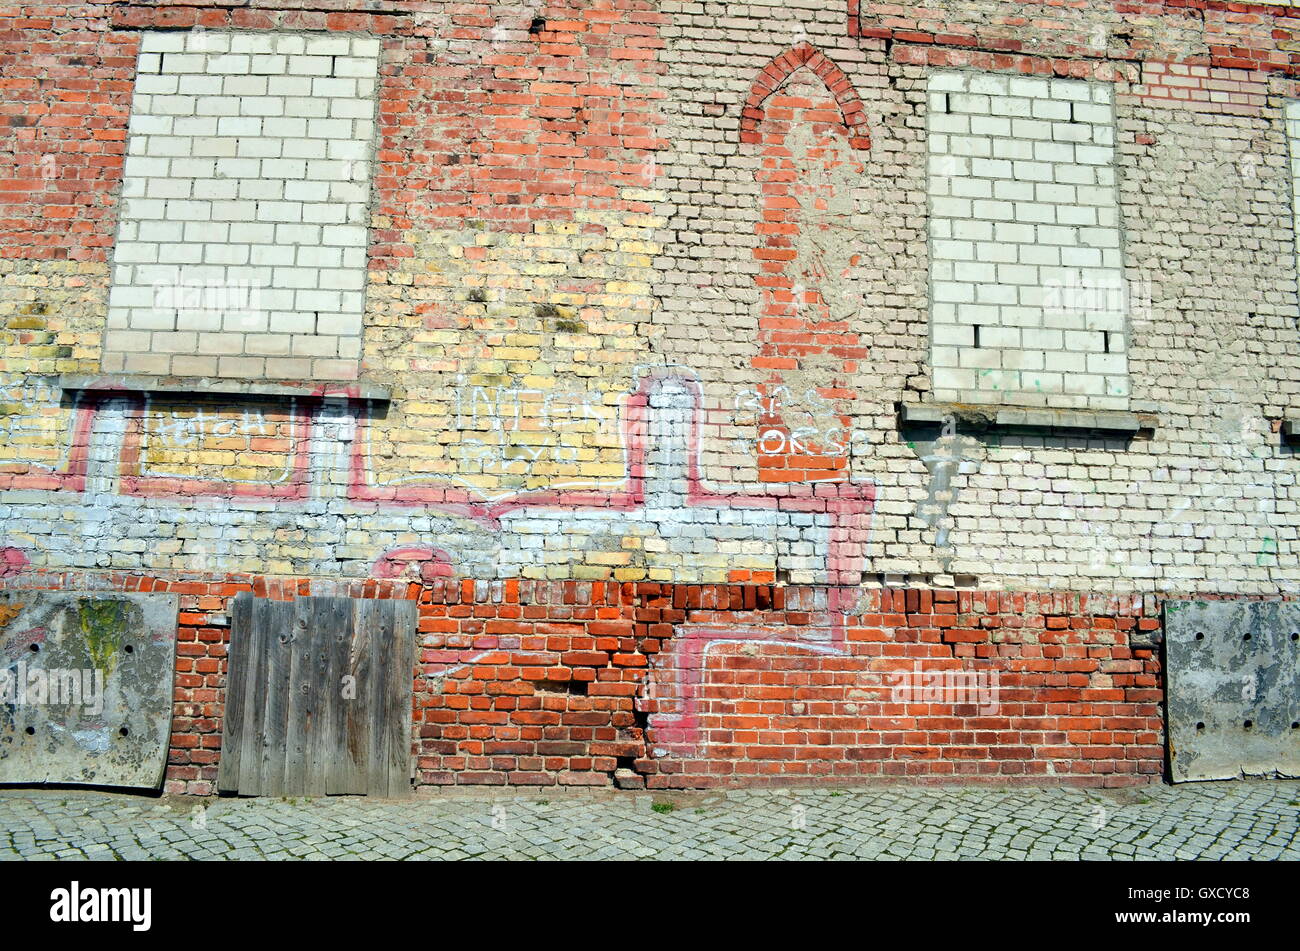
(1235, 820)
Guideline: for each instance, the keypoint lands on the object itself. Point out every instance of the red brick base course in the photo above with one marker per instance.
(686, 686)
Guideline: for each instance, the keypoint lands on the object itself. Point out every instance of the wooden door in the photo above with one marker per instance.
(318, 697)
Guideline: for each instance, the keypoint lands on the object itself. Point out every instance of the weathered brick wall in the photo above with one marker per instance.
(683, 686)
(648, 282)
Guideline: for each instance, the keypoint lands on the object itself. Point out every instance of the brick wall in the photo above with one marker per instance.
(683, 686)
(647, 284)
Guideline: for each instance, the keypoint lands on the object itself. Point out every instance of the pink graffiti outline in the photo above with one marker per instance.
(12, 561)
(843, 501)
(70, 478)
(297, 484)
(429, 563)
(686, 659)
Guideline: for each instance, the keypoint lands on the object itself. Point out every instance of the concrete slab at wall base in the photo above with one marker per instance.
(86, 687)
(1234, 688)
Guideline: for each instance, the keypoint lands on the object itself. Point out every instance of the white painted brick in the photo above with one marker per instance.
(955, 124)
(242, 367)
(315, 346)
(306, 107)
(261, 106)
(268, 64)
(271, 254)
(990, 125)
(292, 322)
(176, 63)
(348, 150)
(309, 65)
(304, 148)
(325, 213)
(329, 128)
(297, 234)
(216, 106)
(1012, 149)
(174, 105)
(993, 84)
(968, 104)
(252, 232)
(291, 43)
(1060, 153)
(205, 42)
(285, 168)
(343, 280)
(168, 187)
(351, 109)
(344, 235)
(1012, 191)
(948, 82)
(232, 63)
(324, 45)
(157, 42)
(191, 84)
(253, 43)
(1073, 90)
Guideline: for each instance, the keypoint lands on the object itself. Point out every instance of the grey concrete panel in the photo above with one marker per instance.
(1233, 673)
(86, 687)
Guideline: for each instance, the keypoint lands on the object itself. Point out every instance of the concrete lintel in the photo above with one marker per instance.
(993, 416)
(109, 384)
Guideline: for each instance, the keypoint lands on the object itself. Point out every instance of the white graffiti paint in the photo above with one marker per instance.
(812, 427)
(492, 421)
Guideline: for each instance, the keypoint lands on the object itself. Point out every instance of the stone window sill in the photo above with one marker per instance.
(109, 384)
(984, 417)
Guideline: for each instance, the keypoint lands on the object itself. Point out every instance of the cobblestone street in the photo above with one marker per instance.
(1231, 820)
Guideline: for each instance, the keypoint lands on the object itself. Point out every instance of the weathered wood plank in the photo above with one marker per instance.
(357, 719)
(315, 668)
(256, 699)
(282, 631)
(301, 696)
(333, 638)
(380, 620)
(240, 653)
(398, 712)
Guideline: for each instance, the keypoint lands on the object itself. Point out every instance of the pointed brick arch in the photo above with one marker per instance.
(779, 70)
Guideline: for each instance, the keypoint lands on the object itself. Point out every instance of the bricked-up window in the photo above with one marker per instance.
(1028, 302)
(1292, 117)
(241, 247)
